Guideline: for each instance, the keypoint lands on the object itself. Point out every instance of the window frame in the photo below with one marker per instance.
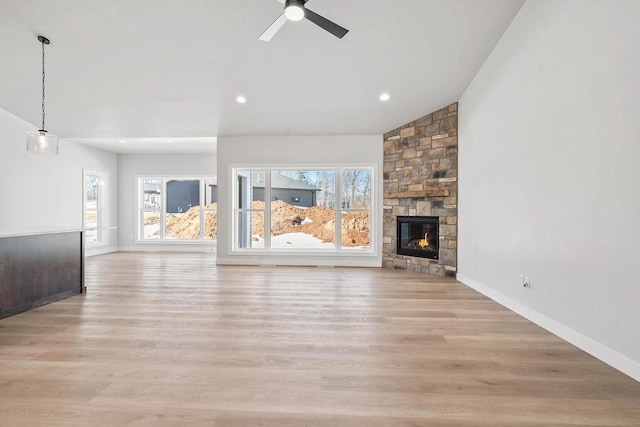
(338, 249)
(140, 209)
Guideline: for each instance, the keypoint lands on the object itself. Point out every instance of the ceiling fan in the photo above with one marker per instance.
(294, 10)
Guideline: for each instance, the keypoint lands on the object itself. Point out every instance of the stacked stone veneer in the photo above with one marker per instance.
(421, 176)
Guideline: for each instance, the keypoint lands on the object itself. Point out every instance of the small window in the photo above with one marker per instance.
(151, 208)
(177, 209)
(94, 206)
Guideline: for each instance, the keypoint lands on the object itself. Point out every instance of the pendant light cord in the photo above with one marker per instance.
(43, 128)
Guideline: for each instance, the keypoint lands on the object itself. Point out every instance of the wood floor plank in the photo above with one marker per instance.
(171, 339)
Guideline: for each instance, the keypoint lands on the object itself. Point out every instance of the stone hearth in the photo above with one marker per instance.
(421, 178)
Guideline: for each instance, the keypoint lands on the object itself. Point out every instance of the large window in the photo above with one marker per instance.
(94, 196)
(177, 208)
(304, 209)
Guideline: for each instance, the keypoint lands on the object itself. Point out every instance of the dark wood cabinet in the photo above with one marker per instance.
(38, 269)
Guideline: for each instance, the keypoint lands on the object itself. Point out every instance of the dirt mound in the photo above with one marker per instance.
(318, 221)
(257, 220)
(187, 225)
(151, 218)
(355, 229)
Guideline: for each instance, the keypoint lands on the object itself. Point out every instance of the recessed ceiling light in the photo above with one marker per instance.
(170, 141)
(241, 99)
(121, 141)
(384, 97)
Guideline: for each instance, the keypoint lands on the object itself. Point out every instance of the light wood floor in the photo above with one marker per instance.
(173, 340)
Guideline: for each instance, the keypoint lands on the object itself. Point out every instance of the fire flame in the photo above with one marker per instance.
(424, 242)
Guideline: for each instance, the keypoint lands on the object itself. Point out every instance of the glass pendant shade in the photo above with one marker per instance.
(40, 141)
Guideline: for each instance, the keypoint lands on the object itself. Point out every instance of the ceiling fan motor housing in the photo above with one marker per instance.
(294, 10)
(299, 3)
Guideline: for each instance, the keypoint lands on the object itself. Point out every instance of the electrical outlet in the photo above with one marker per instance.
(526, 281)
(522, 280)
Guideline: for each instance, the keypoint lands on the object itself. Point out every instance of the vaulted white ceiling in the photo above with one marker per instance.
(172, 69)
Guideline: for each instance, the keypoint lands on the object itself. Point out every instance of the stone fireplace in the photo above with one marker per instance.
(421, 180)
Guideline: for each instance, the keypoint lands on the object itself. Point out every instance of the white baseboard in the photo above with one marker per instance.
(594, 348)
(168, 248)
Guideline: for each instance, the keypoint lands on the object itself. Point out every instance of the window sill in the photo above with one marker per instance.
(176, 242)
(298, 252)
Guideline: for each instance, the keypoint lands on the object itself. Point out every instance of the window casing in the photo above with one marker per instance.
(177, 209)
(303, 209)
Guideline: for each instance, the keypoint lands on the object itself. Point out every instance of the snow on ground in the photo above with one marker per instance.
(150, 230)
(293, 240)
(307, 220)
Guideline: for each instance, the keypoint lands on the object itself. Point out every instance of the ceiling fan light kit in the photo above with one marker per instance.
(295, 10)
(41, 141)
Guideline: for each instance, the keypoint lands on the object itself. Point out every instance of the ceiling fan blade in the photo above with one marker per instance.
(273, 28)
(325, 24)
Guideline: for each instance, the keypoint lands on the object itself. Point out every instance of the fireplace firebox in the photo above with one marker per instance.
(418, 236)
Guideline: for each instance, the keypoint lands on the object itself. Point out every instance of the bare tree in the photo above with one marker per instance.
(326, 182)
(363, 187)
(356, 188)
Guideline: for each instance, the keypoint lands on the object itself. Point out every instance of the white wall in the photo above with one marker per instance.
(41, 192)
(296, 151)
(549, 177)
(177, 165)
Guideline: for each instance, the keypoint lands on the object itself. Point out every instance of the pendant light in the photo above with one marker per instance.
(41, 141)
